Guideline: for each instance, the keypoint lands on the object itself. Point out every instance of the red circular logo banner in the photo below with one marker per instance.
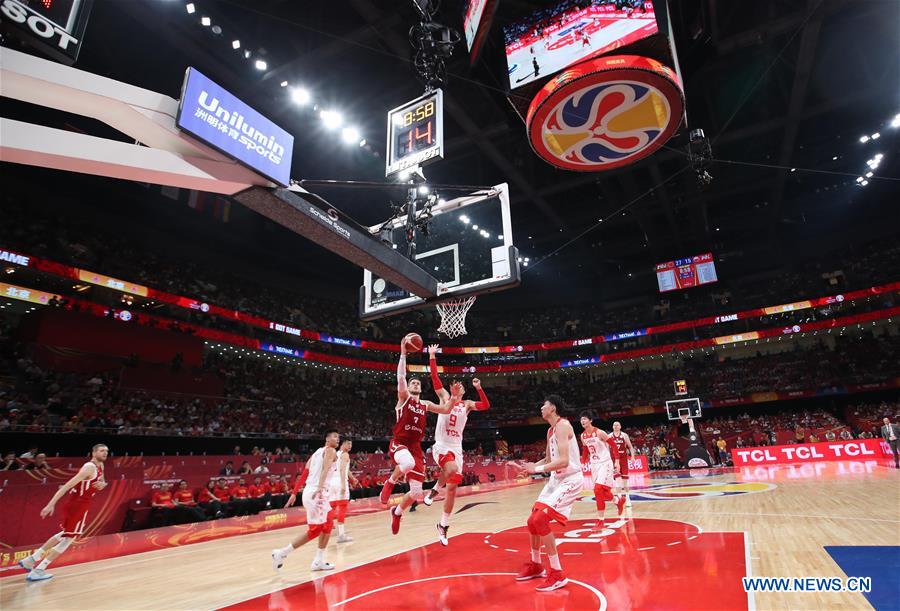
(605, 113)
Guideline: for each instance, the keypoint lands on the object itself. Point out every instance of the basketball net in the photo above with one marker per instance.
(453, 316)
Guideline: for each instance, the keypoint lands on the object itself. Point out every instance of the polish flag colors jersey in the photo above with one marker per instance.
(411, 421)
(85, 490)
(619, 440)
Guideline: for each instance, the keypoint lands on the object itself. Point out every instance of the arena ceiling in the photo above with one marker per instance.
(775, 84)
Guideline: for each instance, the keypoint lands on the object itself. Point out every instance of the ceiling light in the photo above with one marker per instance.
(526, 265)
(527, 259)
(876, 136)
(500, 237)
(235, 44)
(878, 156)
(864, 139)
(859, 179)
(205, 21)
(834, 158)
(792, 170)
(331, 119)
(261, 64)
(300, 96)
(864, 183)
(247, 53)
(362, 142)
(350, 135)
(424, 190)
(868, 174)
(475, 227)
(283, 84)
(896, 121)
(190, 8)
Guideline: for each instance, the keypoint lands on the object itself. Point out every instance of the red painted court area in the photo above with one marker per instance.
(633, 564)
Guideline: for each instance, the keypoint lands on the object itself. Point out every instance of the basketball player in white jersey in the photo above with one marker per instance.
(603, 457)
(448, 435)
(322, 467)
(339, 489)
(557, 498)
(623, 442)
(80, 490)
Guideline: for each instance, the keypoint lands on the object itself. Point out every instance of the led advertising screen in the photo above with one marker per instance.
(685, 273)
(214, 116)
(476, 24)
(561, 36)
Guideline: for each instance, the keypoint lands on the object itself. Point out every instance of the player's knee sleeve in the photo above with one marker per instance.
(415, 488)
(539, 523)
(62, 545)
(404, 460)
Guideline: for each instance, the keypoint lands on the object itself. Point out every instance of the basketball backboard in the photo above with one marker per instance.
(688, 407)
(469, 250)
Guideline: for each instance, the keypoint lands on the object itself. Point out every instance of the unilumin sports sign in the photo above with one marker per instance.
(213, 115)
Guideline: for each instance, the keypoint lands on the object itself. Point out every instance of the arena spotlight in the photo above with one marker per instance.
(283, 84)
(350, 135)
(864, 183)
(868, 174)
(191, 9)
(247, 53)
(863, 139)
(896, 121)
(235, 44)
(362, 142)
(423, 190)
(205, 22)
(261, 64)
(300, 96)
(331, 119)
(859, 179)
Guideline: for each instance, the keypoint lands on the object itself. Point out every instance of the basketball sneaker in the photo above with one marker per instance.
(395, 522)
(38, 575)
(442, 534)
(620, 503)
(429, 499)
(531, 570)
(386, 492)
(344, 538)
(278, 557)
(555, 580)
(27, 563)
(321, 566)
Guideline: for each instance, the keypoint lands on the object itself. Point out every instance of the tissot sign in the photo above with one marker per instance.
(860, 449)
(54, 27)
(211, 114)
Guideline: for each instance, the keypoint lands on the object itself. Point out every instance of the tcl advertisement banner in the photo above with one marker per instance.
(858, 449)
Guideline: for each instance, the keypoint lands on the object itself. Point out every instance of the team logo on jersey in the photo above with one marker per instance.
(605, 113)
(700, 490)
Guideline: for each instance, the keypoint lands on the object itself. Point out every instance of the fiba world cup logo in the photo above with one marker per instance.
(605, 114)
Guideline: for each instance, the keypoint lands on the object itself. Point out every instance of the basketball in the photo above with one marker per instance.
(413, 342)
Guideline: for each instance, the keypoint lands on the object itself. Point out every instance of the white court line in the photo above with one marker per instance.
(674, 543)
(775, 515)
(644, 549)
(751, 597)
(596, 592)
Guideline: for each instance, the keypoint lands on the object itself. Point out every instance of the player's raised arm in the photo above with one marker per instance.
(482, 404)
(444, 407)
(86, 472)
(402, 393)
(439, 389)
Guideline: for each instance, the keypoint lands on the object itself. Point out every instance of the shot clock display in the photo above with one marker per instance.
(415, 133)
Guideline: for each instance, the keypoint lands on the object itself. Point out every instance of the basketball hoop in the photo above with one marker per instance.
(453, 316)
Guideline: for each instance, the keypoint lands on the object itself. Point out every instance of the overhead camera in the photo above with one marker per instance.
(699, 152)
(433, 44)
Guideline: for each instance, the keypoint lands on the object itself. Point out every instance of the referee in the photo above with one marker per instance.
(890, 433)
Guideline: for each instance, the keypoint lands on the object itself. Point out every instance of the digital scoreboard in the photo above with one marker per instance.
(686, 273)
(415, 133)
(54, 27)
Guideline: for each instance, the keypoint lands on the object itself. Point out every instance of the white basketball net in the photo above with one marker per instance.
(453, 316)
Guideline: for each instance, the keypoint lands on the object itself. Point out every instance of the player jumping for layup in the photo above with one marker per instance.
(80, 489)
(557, 497)
(604, 461)
(622, 442)
(321, 468)
(448, 436)
(406, 445)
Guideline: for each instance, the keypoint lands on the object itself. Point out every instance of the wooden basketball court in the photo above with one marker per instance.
(686, 543)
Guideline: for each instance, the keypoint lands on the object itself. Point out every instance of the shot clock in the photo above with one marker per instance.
(415, 133)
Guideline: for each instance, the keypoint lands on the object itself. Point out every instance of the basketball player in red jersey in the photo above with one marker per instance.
(622, 442)
(405, 448)
(80, 489)
(556, 499)
(603, 457)
(448, 435)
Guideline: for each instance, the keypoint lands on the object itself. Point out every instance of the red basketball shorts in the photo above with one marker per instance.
(418, 471)
(75, 518)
